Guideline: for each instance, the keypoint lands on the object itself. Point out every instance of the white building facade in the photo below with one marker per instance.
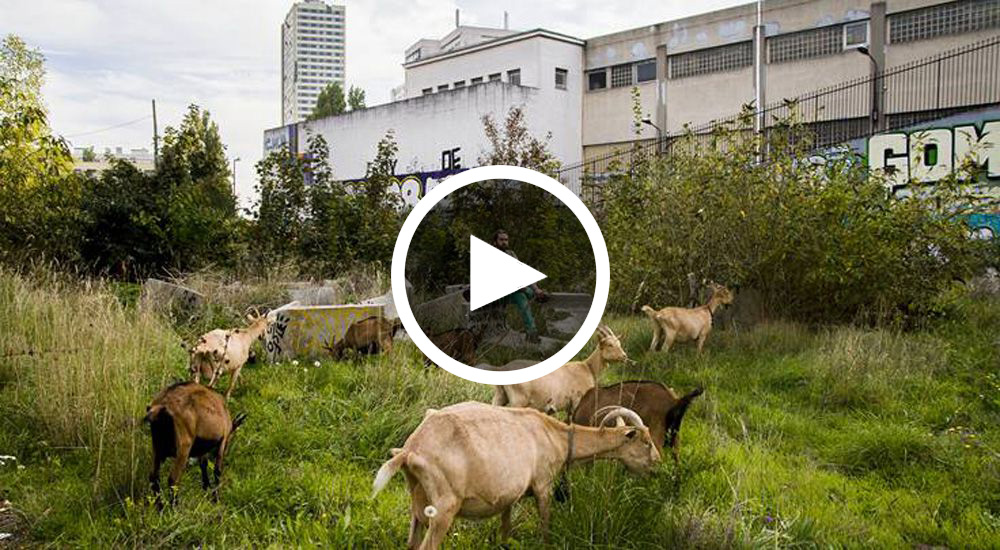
(313, 54)
(438, 123)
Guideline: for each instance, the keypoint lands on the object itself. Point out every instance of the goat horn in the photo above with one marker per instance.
(629, 416)
(604, 331)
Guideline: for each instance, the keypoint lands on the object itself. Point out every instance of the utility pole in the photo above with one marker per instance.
(156, 141)
(758, 76)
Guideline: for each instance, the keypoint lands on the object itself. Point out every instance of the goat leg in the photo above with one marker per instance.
(232, 383)
(219, 459)
(203, 464)
(177, 468)
(505, 526)
(154, 481)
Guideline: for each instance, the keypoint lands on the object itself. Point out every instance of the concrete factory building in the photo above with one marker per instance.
(688, 71)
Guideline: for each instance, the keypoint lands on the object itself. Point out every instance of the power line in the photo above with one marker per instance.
(140, 119)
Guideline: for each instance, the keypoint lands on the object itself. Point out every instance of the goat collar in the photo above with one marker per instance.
(569, 447)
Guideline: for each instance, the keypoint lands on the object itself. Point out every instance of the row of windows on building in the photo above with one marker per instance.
(920, 24)
(318, 48)
(318, 35)
(321, 25)
(321, 18)
(326, 59)
(303, 9)
(513, 77)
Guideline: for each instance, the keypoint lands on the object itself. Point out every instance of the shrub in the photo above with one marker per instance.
(820, 241)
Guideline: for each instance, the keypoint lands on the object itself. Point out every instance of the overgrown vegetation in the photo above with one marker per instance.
(842, 437)
(822, 242)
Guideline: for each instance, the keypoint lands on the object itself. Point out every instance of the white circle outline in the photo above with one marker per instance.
(601, 264)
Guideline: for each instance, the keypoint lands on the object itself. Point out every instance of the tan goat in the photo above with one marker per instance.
(562, 389)
(188, 420)
(679, 324)
(220, 351)
(474, 460)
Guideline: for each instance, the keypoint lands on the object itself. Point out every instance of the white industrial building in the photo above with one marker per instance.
(312, 55)
(687, 71)
(450, 84)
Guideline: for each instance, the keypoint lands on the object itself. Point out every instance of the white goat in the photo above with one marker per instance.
(219, 351)
(680, 324)
(562, 389)
(474, 460)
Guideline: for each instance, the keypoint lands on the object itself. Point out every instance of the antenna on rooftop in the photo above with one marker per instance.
(456, 18)
(506, 26)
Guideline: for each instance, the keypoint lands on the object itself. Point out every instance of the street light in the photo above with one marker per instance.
(235, 160)
(864, 51)
(659, 133)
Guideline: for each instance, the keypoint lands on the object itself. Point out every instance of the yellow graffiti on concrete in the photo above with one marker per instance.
(308, 330)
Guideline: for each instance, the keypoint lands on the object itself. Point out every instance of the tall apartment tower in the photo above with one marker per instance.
(312, 55)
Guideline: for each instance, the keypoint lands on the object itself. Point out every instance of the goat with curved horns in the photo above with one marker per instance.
(495, 455)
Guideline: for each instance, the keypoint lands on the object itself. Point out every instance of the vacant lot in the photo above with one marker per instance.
(804, 437)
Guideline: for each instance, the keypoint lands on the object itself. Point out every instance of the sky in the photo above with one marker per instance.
(106, 60)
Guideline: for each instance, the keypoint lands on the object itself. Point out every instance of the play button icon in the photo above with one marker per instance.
(475, 308)
(495, 274)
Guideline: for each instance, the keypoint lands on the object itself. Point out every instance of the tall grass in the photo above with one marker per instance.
(78, 367)
(833, 437)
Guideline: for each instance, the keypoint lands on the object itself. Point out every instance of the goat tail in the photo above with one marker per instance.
(650, 312)
(389, 469)
(676, 414)
(238, 421)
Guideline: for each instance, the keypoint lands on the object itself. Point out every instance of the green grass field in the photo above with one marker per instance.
(832, 437)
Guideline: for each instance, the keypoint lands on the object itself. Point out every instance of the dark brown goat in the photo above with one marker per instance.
(188, 420)
(659, 407)
(368, 336)
(459, 344)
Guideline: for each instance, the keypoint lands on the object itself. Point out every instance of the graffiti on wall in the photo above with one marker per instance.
(928, 155)
(307, 331)
(413, 187)
(928, 152)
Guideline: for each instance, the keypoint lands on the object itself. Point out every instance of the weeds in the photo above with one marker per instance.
(805, 437)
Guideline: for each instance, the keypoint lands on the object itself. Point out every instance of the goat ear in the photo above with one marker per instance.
(631, 433)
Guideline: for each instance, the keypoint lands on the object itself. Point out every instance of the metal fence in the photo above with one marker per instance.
(962, 79)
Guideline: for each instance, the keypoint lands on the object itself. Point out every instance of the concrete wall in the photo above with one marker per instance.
(607, 114)
(428, 126)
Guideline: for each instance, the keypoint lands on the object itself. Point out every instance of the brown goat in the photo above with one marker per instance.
(369, 336)
(680, 324)
(188, 420)
(459, 344)
(658, 405)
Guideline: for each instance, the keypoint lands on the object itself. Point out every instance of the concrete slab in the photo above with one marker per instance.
(301, 331)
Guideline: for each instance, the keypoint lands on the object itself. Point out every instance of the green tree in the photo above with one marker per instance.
(29, 153)
(88, 154)
(330, 102)
(128, 232)
(201, 213)
(39, 195)
(356, 98)
(513, 144)
(281, 208)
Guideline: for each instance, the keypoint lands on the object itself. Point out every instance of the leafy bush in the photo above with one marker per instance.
(821, 242)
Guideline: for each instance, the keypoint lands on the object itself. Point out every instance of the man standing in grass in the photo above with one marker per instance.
(520, 297)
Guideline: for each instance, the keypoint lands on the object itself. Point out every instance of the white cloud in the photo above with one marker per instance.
(107, 59)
